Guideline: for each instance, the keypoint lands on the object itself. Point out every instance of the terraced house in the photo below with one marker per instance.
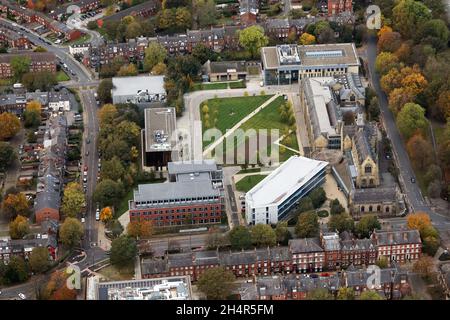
(39, 61)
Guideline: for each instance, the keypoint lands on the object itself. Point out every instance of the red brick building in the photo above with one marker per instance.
(39, 61)
(13, 39)
(307, 255)
(339, 6)
(399, 246)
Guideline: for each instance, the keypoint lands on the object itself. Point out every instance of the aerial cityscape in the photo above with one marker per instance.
(224, 150)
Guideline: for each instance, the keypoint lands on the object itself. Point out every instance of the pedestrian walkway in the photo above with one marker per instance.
(237, 125)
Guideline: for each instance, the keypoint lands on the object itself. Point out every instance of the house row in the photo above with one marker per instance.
(12, 39)
(39, 61)
(51, 169)
(142, 10)
(393, 284)
(23, 247)
(53, 101)
(24, 15)
(328, 252)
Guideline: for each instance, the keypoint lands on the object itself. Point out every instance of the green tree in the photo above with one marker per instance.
(19, 66)
(240, 238)
(112, 169)
(216, 283)
(7, 156)
(345, 294)
(318, 197)
(319, 294)
(263, 235)
(39, 261)
(215, 239)
(205, 12)
(305, 204)
(108, 192)
(408, 16)
(336, 207)
(73, 200)
(123, 251)
(127, 70)
(16, 271)
(203, 53)
(19, 227)
(183, 18)
(366, 225)
(341, 222)
(382, 262)
(154, 54)
(370, 295)
(307, 225)
(282, 233)
(71, 232)
(435, 33)
(410, 119)
(253, 39)
(104, 91)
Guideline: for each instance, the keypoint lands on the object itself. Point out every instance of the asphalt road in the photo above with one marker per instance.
(412, 190)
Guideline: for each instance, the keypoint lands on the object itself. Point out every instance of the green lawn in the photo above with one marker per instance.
(229, 111)
(62, 76)
(238, 84)
(249, 170)
(248, 182)
(209, 86)
(269, 118)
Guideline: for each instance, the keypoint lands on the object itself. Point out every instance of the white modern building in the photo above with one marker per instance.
(272, 199)
(138, 90)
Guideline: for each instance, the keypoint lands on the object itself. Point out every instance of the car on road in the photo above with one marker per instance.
(87, 153)
(413, 180)
(83, 220)
(88, 140)
(85, 167)
(97, 215)
(22, 296)
(85, 180)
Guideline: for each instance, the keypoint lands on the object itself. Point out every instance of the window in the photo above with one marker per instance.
(368, 169)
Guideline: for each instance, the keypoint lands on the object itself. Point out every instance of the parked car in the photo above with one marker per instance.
(22, 296)
(83, 220)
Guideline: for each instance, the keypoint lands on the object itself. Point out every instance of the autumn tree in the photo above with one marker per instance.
(73, 200)
(14, 205)
(56, 288)
(240, 238)
(307, 39)
(415, 147)
(19, 227)
(408, 16)
(7, 156)
(155, 53)
(418, 221)
(107, 114)
(398, 98)
(39, 259)
(159, 69)
(388, 40)
(385, 61)
(216, 283)
(123, 251)
(32, 114)
(307, 225)
(263, 235)
(140, 229)
(424, 266)
(253, 39)
(71, 232)
(411, 119)
(443, 103)
(127, 70)
(106, 214)
(9, 125)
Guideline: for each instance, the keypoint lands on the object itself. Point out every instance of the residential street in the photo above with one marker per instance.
(412, 190)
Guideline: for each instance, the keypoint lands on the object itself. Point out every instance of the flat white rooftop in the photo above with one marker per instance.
(321, 97)
(134, 85)
(284, 181)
